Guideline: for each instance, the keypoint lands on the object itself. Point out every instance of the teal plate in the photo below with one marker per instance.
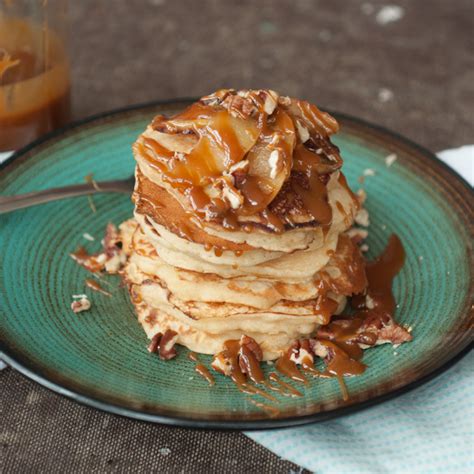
(99, 357)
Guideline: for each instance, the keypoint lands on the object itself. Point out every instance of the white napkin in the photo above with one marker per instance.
(430, 429)
(4, 155)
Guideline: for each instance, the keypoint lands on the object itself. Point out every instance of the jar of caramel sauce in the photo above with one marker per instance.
(34, 79)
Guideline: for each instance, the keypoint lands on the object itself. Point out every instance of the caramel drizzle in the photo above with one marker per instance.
(224, 140)
(89, 262)
(287, 367)
(271, 410)
(94, 285)
(342, 345)
(289, 389)
(201, 369)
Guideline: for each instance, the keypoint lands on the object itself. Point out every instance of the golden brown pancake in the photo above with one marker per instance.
(241, 214)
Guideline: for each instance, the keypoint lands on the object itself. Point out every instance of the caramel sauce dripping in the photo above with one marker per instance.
(288, 389)
(326, 307)
(232, 351)
(255, 372)
(89, 262)
(271, 410)
(315, 194)
(287, 367)
(225, 138)
(344, 352)
(201, 369)
(94, 285)
(252, 189)
(380, 274)
(273, 221)
(343, 182)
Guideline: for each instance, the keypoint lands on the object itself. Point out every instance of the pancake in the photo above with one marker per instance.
(241, 224)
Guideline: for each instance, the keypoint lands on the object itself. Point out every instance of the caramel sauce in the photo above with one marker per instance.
(34, 82)
(255, 372)
(94, 285)
(326, 307)
(195, 111)
(201, 369)
(380, 274)
(271, 410)
(343, 182)
(288, 389)
(314, 195)
(231, 350)
(89, 262)
(287, 367)
(252, 390)
(273, 221)
(226, 138)
(255, 197)
(343, 349)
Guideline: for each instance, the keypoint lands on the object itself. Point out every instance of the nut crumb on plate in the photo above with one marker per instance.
(390, 160)
(82, 304)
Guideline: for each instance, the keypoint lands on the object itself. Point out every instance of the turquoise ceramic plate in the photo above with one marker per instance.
(100, 358)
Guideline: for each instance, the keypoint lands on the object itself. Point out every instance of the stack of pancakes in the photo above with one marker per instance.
(241, 213)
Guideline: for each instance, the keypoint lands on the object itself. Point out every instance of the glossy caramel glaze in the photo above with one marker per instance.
(246, 145)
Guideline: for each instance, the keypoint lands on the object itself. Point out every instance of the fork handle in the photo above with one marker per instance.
(20, 201)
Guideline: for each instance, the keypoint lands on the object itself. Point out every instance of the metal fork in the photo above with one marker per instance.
(12, 203)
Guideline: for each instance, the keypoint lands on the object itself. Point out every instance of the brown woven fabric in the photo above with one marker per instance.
(129, 51)
(44, 432)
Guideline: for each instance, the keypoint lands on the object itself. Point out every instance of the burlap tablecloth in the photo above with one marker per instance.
(414, 75)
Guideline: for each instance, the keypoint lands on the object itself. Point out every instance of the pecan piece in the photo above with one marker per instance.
(166, 349)
(250, 355)
(301, 352)
(253, 345)
(155, 341)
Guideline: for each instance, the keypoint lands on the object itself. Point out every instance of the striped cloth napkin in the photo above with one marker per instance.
(428, 430)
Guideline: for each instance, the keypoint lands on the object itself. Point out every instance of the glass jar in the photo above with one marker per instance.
(34, 70)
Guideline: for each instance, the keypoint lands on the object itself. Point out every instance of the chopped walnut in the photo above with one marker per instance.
(217, 97)
(362, 217)
(357, 235)
(273, 161)
(361, 196)
(223, 188)
(369, 302)
(301, 352)
(302, 132)
(271, 101)
(239, 106)
(221, 363)
(81, 305)
(242, 166)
